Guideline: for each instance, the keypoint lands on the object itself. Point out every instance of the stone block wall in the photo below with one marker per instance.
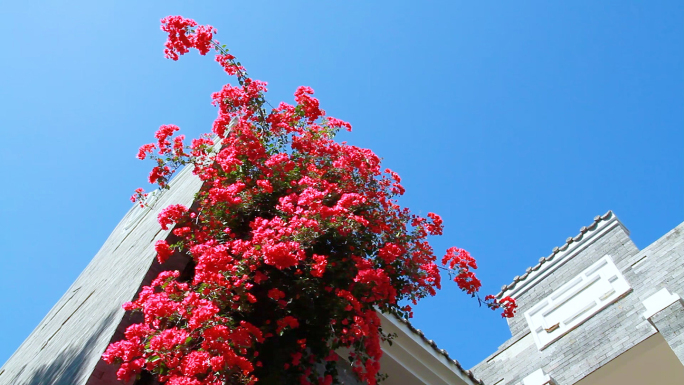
(670, 323)
(611, 239)
(608, 333)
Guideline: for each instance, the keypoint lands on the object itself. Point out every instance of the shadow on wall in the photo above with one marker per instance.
(70, 363)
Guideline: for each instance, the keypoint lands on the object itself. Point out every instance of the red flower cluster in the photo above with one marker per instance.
(296, 241)
(182, 37)
(170, 215)
(163, 251)
(461, 261)
(507, 303)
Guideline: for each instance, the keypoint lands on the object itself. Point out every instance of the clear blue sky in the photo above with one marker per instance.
(517, 121)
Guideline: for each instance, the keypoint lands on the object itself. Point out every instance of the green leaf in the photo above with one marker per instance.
(153, 358)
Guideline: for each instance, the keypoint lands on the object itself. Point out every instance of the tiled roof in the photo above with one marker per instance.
(556, 250)
(442, 352)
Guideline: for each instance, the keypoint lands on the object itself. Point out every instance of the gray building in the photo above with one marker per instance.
(596, 311)
(66, 347)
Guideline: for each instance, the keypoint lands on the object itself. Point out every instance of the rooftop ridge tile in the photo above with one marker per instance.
(442, 352)
(556, 250)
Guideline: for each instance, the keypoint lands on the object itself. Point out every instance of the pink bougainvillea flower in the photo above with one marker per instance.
(292, 241)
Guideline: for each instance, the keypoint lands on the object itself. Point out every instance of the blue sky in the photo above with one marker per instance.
(518, 122)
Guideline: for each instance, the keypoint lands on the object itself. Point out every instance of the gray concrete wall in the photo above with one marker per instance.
(670, 323)
(65, 348)
(607, 334)
(615, 242)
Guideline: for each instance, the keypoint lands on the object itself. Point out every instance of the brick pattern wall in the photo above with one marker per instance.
(670, 323)
(610, 332)
(615, 242)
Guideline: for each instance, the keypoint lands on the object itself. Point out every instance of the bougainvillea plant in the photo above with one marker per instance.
(297, 241)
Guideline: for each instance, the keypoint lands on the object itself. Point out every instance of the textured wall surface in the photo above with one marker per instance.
(65, 348)
(608, 333)
(670, 323)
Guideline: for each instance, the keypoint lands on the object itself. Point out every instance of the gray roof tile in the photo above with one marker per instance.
(556, 250)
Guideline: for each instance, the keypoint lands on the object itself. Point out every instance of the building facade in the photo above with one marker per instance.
(596, 311)
(66, 347)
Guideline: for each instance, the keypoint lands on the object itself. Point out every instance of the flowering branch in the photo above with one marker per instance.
(295, 241)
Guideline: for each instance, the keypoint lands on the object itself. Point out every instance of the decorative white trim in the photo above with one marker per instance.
(563, 256)
(658, 301)
(514, 349)
(576, 301)
(418, 357)
(538, 377)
